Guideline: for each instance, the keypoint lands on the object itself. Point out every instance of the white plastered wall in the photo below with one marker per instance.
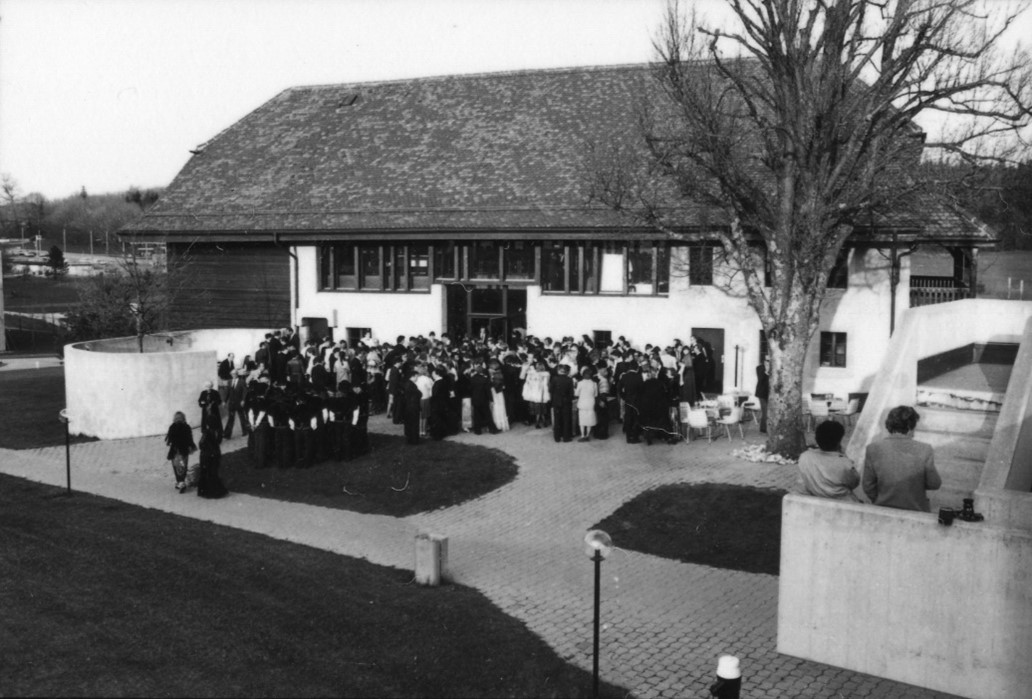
(861, 311)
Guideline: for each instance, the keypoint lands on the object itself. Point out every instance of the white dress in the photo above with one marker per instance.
(501, 419)
(586, 392)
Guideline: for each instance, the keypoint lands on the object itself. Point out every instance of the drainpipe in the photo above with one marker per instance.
(296, 292)
(893, 282)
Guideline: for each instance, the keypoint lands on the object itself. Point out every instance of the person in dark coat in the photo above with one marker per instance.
(411, 401)
(701, 360)
(180, 442)
(480, 397)
(209, 400)
(337, 420)
(358, 441)
(282, 435)
(762, 395)
(209, 485)
(560, 387)
(654, 409)
(630, 392)
(440, 404)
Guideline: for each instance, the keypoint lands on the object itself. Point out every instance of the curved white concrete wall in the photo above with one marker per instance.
(112, 391)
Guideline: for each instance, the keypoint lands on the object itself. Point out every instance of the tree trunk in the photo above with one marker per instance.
(786, 428)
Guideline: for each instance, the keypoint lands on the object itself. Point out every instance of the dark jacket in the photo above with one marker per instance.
(180, 439)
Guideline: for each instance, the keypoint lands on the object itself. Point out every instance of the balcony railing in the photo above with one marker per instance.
(927, 290)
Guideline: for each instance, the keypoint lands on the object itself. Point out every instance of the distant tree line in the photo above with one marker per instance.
(69, 222)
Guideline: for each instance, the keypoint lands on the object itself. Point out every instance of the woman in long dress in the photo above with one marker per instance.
(586, 392)
(209, 485)
(180, 444)
(498, 411)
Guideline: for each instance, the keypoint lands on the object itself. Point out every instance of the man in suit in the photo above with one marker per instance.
(560, 387)
(235, 398)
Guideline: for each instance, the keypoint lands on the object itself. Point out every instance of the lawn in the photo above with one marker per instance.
(394, 479)
(41, 294)
(30, 401)
(102, 598)
(713, 524)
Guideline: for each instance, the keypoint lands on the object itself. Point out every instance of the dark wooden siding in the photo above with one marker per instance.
(230, 285)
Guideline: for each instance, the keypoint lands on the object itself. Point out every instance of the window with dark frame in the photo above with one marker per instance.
(833, 349)
(519, 260)
(764, 347)
(355, 335)
(374, 267)
(641, 268)
(700, 265)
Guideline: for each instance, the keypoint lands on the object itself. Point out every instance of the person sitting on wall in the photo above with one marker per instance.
(825, 472)
(898, 470)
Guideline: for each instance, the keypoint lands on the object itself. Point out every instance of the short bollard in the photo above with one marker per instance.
(729, 679)
(431, 558)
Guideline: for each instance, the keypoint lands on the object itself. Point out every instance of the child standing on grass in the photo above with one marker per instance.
(180, 443)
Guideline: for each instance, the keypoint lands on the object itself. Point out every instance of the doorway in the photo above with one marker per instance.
(488, 310)
(713, 340)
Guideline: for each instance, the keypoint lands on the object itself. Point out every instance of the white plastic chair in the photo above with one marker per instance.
(683, 409)
(751, 409)
(733, 418)
(698, 419)
(852, 408)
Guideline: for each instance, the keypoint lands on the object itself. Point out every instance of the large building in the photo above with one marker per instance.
(463, 204)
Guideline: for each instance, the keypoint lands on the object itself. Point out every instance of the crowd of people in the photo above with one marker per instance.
(300, 404)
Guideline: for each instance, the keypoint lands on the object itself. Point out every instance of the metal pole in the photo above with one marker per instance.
(736, 366)
(68, 458)
(598, 581)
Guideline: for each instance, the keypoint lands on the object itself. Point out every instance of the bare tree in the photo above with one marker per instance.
(796, 128)
(133, 301)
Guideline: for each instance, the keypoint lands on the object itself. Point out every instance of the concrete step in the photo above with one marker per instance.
(956, 422)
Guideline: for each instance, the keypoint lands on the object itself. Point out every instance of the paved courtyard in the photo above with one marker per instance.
(664, 623)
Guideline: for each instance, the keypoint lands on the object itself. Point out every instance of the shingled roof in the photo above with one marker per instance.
(467, 155)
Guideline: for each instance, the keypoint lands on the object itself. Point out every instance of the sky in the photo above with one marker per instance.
(109, 94)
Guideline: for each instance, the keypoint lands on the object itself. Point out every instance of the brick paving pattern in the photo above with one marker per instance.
(664, 622)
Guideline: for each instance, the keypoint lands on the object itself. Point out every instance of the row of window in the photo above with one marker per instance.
(638, 268)
(635, 268)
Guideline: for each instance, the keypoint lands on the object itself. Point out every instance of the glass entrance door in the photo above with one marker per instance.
(488, 310)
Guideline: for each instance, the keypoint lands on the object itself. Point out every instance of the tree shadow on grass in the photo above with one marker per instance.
(394, 479)
(714, 524)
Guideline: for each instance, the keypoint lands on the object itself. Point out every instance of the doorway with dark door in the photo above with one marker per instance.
(485, 310)
(713, 340)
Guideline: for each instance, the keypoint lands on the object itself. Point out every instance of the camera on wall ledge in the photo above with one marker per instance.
(966, 514)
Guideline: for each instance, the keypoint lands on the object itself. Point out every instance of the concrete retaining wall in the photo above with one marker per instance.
(927, 331)
(894, 594)
(1003, 494)
(112, 391)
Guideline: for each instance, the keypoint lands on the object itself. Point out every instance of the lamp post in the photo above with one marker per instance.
(597, 544)
(64, 417)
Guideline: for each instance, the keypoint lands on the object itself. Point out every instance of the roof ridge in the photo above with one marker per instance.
(470, 76)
